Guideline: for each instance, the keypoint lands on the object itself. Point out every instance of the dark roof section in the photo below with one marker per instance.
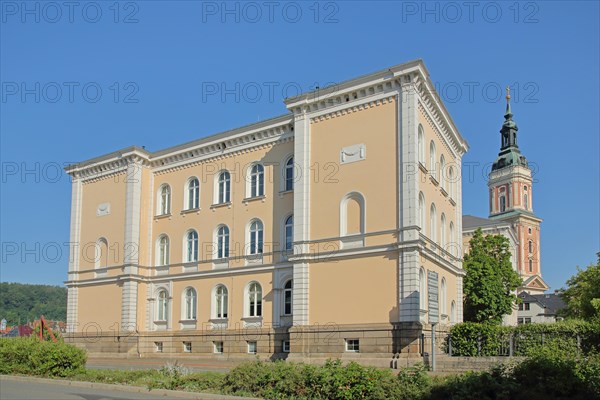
(471, 222)
(552, 302)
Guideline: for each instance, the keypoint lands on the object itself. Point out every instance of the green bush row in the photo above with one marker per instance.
(487, 339)
(34, 357)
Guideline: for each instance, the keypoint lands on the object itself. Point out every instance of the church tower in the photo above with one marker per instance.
(511, 200)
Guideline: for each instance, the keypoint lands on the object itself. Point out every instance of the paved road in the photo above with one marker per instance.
(155, 363)
(24, 388)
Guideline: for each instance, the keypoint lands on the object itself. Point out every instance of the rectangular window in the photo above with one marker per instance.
(218, 347)
(158, 347)
(352, 345)
(527, 320)
(521, 307)
(285, 346)
(519, 321)
(527, 306)
(187, 347)
(251, 347)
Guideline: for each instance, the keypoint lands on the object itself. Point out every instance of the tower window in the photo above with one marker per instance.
(530, 247)
(530, 265)
(502, 202)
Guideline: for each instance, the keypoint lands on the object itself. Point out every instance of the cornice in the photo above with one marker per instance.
(352, 108)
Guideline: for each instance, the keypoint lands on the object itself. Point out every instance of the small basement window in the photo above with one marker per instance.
(353, 345)
(187, 347)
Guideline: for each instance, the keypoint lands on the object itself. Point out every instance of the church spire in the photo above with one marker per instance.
(509, 150)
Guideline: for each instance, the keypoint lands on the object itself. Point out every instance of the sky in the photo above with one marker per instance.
(82, 79)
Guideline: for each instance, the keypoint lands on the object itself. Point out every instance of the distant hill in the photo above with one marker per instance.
(21, 303)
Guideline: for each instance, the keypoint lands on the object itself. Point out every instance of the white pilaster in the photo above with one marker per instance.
(74, 252)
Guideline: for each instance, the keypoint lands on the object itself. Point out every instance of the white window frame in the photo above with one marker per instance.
(285, 346)
(289, 174)
(254, 300)
(220, 308)
(191, 246)
(158, 347)
(421, 212)
(218, 347)
(223, 187)
(443, 231)
(162, 305)
(252, 346)
(352, 345)
(163, 245)
(453, 312)
(192, 194)
(256, 180)
(421, 144)
(432, 159)
(190, 304)
(288, 233)
(164, 199)
(187, 347)
(441, 174)
(256, 237)
(432, 222)
(222, 241)
(288, 293)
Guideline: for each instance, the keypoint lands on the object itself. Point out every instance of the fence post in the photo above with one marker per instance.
(479, 346)
(510, 344)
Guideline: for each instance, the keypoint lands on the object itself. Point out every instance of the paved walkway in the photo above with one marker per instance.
(29, 388)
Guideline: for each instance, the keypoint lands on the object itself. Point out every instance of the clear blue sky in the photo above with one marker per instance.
(166, 57)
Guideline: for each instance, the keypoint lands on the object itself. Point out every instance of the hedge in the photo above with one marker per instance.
(487, 339)
(30, 356)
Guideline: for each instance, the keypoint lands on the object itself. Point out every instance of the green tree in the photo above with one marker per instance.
(582, 294)
(20, 303)
(490, 281)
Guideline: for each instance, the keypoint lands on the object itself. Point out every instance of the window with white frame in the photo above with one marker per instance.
(190, 304)
(443, 294)
(451, 182)
(254, 300)
(422, 285)
(443, 231)
(193, 194)
(353, 345)
(218, 347)
(221, 299)
(224, 187)
(164, 200)
(526, 197)
(285, 346)
(257, 180)
(158, 347)
(256, 237)
(287, 297)
(421, 145)
(432, 222)
(163, 250)
(421, 212)
(223, 242)
(289, 174)
(289, 233)
(187, 347)
(453, 312)
(442, 171)
(453, 244)
(251, 347)
(432, 159)
(502, 200)
(191, 241)
(162, 306)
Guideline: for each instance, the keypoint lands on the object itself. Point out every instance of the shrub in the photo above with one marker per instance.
(30, 356)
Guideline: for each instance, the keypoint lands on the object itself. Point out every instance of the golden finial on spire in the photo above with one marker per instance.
(508, 94)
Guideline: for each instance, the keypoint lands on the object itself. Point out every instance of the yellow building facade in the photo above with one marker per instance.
(334, 229)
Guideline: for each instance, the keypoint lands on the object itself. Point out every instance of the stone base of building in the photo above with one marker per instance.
(382, 345)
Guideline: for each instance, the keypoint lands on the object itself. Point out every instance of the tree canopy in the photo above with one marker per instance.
(21, 302)
(490, 284)
(582, 295)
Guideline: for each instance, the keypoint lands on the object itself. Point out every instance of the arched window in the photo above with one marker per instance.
(526, 198)
(443, 231)
(530, 247)
(502, 200)
(453, 312)
(421, 145)
(432, 159)
(442, 173)
(193, 194)
(289, 174)
(164, 200)
(221, 298)
(443, 294)
(256, 237)
(254, 300)
(451, 182)
(162, 306)
(289, 233)
(530, 265)
(257, 180)
(432, 222)
(163, 250)
(224, 187)
(453, 244)
(190, 304)
(223, 242)
(421, 212)
(191, 240)
(287, 298)
(101, 256)
(422, 286)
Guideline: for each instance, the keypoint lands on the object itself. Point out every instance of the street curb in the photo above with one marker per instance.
(124, 388)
